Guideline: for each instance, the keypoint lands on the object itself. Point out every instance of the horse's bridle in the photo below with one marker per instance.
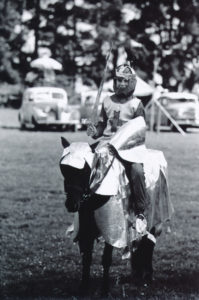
(85, 192)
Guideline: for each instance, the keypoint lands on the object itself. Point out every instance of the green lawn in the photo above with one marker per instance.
(38, 262)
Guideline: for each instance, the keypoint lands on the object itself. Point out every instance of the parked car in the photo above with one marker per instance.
(3, 99)
(10, 95)
(183, 108)
(14, 100)
(47, 106)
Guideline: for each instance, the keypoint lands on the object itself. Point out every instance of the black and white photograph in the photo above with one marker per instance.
(99, 149)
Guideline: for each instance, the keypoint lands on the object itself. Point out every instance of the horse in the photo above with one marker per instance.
(80, 199)
(96, 211)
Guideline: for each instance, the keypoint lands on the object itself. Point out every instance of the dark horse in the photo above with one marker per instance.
(80, 198)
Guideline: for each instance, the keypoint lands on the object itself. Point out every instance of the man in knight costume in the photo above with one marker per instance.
(132, 176)
(116, 110)
(119, 113)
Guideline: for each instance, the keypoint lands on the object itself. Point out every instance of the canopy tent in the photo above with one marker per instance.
(44, 70)
(46, 63)
(142, 88)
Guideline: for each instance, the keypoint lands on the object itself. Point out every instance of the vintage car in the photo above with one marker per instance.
(47, 106)
(183, 107)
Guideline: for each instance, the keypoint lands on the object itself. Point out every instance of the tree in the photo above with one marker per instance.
(78, 34)
(10, 41)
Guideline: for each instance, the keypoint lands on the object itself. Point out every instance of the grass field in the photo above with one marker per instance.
(38, 262)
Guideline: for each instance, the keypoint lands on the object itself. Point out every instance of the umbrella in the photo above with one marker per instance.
(46, 63)
(142, 88)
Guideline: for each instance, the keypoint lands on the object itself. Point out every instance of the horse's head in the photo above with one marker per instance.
(76, 172)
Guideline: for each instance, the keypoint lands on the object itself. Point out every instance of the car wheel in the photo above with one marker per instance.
(61, 127)
(22, 123)
(74, 128)
(184, 127)
(155, 127)
(174, 129)
(35, 124)
(22, 126)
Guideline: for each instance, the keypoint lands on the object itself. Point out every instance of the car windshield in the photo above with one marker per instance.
(57, 96)
(40, 96)
(46, 96)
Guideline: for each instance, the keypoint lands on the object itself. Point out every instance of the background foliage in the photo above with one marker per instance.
(160, 37)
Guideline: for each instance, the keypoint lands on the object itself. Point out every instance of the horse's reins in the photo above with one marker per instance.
(86, 192)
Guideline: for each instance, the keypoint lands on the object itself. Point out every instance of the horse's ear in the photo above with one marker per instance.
(64, 142)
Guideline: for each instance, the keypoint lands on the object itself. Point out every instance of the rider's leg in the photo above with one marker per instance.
(135, 174)
(141, 259)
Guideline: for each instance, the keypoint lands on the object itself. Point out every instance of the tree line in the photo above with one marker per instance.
(159, 37)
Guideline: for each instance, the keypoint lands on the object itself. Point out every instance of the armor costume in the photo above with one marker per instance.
(121, 165)
(117, 110)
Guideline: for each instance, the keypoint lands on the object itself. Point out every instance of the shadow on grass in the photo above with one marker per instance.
(51, 286)
(60, 285)
(10, 127)
(184, 281)
(32, 129)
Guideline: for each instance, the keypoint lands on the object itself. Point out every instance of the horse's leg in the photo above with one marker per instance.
(137, 264)
(141, 260)
(149, 245)
(106, 263)
(86, 242)
(86, 249)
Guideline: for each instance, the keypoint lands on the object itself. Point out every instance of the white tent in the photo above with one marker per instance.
(142, 88)
(47, 63)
